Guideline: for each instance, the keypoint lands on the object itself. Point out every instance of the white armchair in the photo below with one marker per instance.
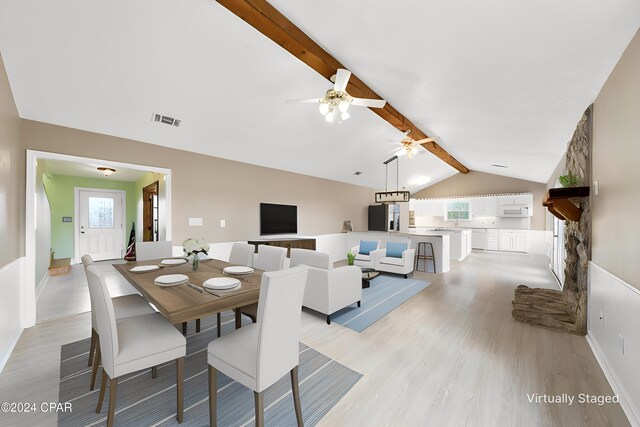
(365, 259)
(397, 257)
(328, 289)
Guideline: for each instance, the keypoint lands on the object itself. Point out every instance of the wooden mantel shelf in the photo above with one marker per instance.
(559, 204)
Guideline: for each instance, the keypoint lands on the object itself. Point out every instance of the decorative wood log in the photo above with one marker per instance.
(269, 21)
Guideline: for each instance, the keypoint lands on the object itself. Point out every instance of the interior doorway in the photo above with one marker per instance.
(151, 212)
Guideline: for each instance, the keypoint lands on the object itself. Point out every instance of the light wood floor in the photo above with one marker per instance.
(450, 356)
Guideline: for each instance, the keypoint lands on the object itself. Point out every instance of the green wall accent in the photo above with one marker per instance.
(60, 189)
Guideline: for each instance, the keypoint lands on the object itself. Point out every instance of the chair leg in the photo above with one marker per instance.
(328, 319)
(154, 372)
(197, 325)
(103, 388)
(113, 388)
(92, 348)
(213, 396)
(358, 303)
(238, 318)
(184, 328)
(97, 359)
(180, 388)
(219, 319)
(259, 398)
(296, 395)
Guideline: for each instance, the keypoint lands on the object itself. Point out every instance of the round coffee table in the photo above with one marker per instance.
(368, 274)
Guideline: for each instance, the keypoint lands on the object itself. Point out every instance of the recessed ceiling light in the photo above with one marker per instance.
(357, 173)
(499, 166)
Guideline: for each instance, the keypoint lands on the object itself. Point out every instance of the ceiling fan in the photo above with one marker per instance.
(410, 145)
(336, 101)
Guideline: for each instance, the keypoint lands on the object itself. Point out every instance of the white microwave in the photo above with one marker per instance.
(514, 211)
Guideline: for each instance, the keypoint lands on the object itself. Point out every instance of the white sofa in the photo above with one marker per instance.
(365, 260)
(383, 262)
(328, 289)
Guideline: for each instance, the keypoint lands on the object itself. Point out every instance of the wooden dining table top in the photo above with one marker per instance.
(182, 303)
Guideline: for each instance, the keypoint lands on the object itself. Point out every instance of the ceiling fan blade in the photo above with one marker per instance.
(303, 101)
(342, 78)
(372, 103)
(425, 140)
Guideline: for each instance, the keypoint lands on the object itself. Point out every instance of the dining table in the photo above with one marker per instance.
(185, 302)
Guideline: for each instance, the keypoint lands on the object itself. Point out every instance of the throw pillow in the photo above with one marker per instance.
(366, 247)
(395, 249)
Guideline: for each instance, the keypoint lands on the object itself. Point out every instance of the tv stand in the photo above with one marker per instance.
(286, 242)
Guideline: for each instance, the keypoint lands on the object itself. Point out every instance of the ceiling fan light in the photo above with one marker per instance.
(343, 106)
(329, 117)
(344, 115)
(323, 108)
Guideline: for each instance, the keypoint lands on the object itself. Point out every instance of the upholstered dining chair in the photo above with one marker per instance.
(133, 344)
(269, 258)
(123, 306)
(242, 254)
(146, 251)
(258, 355)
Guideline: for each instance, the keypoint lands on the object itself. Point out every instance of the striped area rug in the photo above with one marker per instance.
(143, 401)
(386, 293)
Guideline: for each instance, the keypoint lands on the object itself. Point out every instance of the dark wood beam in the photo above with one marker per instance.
(269, 21)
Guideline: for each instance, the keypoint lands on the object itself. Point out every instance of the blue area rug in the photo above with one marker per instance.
(384, 295)
(143, 401)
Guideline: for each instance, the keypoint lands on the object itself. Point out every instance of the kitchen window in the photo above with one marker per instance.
(458, 210)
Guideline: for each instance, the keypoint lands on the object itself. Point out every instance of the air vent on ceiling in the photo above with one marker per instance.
(165, 119)
(357, 173)
(499, 166)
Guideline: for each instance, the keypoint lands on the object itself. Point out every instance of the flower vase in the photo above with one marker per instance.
(195, 262)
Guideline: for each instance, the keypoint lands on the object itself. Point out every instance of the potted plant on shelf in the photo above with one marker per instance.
(351, 257)
(194, 247)
(569, 180)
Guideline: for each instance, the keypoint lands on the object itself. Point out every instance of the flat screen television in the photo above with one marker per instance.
(278, 219)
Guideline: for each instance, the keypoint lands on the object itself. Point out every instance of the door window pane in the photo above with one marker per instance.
(100, 212)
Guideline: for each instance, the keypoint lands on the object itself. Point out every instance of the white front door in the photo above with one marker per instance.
(100, 223)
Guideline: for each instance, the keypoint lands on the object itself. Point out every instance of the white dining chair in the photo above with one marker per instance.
(123, 306)
(258, 355)
(133, 344)
(146, 251)
(269, 258)
(242, 254)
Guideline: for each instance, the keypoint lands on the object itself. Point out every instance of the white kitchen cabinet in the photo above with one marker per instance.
(492, 240)
(486, 206)
(512, 240)
(434, 207)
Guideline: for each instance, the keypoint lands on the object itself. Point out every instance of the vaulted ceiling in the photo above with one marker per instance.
(497, 82)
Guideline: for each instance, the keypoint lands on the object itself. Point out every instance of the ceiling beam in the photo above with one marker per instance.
(269, 21)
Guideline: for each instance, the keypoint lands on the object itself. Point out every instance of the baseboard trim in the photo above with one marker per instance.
(4, 357)
(630, 410)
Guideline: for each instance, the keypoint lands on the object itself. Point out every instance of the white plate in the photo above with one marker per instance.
(144, 268)
(238, 270)
(173, 261)
(221, 283)
(171, 280)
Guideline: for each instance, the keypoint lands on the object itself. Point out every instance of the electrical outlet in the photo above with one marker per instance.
(621, 341)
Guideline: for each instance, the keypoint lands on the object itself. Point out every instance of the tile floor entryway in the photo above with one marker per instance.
(69, 294)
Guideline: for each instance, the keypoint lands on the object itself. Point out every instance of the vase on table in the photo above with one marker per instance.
(195, 262)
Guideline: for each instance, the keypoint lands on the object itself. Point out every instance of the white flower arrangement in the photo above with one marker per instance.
(195, 246)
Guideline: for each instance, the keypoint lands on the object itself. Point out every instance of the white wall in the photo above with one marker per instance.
(11, 307)
(614, 317)
(43, 229)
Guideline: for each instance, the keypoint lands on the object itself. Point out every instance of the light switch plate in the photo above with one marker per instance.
(223, 223)
(596, 187)
(621, 339)
(195, 221)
